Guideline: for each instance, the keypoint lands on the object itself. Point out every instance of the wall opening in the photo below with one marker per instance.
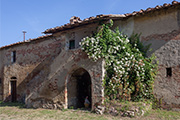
(13, 89)
(72, 44)
(78, 87)
(13, 56)
(168, 72)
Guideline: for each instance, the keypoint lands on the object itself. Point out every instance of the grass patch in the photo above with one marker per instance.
(162, 114)
(168, 114)
(14, 111)
(10, 104)
(48, 111)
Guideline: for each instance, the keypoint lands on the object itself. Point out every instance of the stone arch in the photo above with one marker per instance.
(79, 85)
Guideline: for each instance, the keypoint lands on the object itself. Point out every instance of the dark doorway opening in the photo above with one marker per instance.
(168, 72)
(13, 91)
(79, 86)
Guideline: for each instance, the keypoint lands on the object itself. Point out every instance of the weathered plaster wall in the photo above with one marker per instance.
(77, 34)
(52, 92)
(53, 89)
(43, 69)
(166, 87)
(125, 26)
(161, 30)
(1, 75)
(157, 28)
(29, 58)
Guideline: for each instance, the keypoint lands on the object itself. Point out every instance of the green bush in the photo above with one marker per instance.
(129, 73)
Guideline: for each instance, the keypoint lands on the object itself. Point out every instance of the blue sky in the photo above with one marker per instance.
(35, 16)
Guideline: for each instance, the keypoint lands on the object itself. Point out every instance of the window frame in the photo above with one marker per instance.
(13, 56)
(72, 44)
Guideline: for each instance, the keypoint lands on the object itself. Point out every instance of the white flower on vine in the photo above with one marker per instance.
(127, 40)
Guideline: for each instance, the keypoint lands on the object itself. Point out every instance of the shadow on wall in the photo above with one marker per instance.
(32, 81)
(159, 40)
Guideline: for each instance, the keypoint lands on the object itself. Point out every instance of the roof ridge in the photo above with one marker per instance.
(78, 22)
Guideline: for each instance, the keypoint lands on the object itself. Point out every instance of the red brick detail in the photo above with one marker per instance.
(98, 75)
(39, 51)
(177, 97)
(173, 35)
(53, 85)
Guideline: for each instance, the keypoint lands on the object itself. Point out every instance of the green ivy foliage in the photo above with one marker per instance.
(129, 72)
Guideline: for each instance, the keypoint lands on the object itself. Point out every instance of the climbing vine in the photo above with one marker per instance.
(129, 73)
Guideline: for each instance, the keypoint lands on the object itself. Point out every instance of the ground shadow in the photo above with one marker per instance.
(12, 104)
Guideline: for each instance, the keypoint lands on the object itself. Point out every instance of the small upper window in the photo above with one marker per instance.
(13, 56)
(168, 72)
(71, 44)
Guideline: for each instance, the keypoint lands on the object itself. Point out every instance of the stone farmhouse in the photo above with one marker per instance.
(53, 72)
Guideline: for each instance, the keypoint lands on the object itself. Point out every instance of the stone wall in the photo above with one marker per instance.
(43, 69)
(167, 87)
(29, 58)
(51, 90)
(1, 75)
(54, 86)
(161, 30)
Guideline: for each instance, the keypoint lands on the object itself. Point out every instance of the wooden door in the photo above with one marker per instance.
(13, 91)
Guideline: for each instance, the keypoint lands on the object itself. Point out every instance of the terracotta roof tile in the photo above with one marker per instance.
(26, 41)
(78, 22)
(85, 21)
(175, 2)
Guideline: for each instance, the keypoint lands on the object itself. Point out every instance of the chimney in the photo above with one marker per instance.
(75, 19)
(24, 32)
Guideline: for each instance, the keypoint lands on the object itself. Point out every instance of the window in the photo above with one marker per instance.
(13, 56)
(168, 72)
(71, 44)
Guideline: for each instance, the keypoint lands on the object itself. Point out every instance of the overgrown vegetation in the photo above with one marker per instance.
(129, 72)
(127, 108)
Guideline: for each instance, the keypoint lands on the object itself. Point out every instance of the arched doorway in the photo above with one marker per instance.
(78, 87)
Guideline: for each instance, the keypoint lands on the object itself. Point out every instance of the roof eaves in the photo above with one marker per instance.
(83, 22)
(26, 41)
